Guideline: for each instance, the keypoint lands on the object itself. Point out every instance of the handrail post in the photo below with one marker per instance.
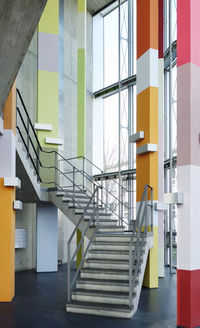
(130, 275)
(83, 173)
(73, 184)
(146, 208)
(56, 172)
(38, 162)
(68, 273)
(28, 152)
(97, 203)
(101, 188)
(152, 210)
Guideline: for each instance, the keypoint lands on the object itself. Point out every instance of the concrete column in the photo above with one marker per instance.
(47, 238)
(147, 116)
(7, 197)
(188, 162)
(161, 247)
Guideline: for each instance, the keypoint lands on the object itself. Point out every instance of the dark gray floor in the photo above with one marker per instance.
(40, 302)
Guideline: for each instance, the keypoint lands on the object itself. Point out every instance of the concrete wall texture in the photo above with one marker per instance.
(27, 83)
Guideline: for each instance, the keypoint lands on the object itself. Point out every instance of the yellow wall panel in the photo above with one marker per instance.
(49, 22)
(48, 104)
(151, 273)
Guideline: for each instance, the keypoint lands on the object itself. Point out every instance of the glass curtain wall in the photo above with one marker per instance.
(170, 113)
(119, 112)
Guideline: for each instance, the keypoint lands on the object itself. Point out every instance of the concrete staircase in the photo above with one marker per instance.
(109, 277)
(103, 286)
(63, 199)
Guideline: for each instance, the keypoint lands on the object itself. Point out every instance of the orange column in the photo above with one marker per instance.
(7, 197)
(147, 117)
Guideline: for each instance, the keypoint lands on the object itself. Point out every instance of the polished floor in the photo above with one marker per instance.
(40, 302)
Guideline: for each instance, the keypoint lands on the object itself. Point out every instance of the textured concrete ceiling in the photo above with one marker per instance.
(96, 5)
(18, 22)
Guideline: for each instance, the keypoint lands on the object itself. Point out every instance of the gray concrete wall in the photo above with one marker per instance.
(27, 85)
(68, 103)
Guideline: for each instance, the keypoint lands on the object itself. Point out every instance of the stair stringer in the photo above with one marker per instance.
(148, 246)
(36, 193)
(69, 212)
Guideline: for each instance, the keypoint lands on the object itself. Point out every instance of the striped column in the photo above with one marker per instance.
(48, 60)
(7, 197)
(48, 105)
(81, 92)
(188, 163)
(161, 141)
(147, 116)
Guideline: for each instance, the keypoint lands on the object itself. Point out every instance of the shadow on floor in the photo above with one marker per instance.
(40, 302)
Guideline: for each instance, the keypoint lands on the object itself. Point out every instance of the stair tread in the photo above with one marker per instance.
(106, 261)
(101, 293)
(102, 251)
(103, 281)
(122, 243)
(110, 271)
(111, 227)
(100, 306)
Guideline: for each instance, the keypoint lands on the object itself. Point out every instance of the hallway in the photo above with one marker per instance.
(40, 297)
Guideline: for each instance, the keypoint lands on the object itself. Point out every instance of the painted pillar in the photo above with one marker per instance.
(7, 197)
(48, 84)
(47, 238)
(48, 104)
(188, 163)
(81, 91)
(147, 116)
(161, 248)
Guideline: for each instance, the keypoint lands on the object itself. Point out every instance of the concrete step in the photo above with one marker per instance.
(106, 285)
(104, 274)
(95, 263)
(90, 209)
(102, 215)
(103, 297)
(114, 237)
(107, 310)
(105, 245)
(78, 197)
(103, 222)
(111, 228)
(111, 254)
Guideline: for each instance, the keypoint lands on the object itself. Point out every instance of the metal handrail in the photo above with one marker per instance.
(81, 243)
(139, 231)
(61, 158)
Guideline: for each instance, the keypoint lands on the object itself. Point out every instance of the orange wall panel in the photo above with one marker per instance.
(7, 243)
(147, 26)
(147, 115)
(10, 110)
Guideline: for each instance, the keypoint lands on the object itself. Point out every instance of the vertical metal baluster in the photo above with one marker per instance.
(68, 273)
(97, 203)
(101, 188)
(83, 173)
(56, 171)
(73, 184)
(130, 275)
(151, 210)
(28, 154)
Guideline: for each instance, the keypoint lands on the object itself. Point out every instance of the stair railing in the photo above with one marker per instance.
(143, 224)
(79, 226)
(37, 164)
